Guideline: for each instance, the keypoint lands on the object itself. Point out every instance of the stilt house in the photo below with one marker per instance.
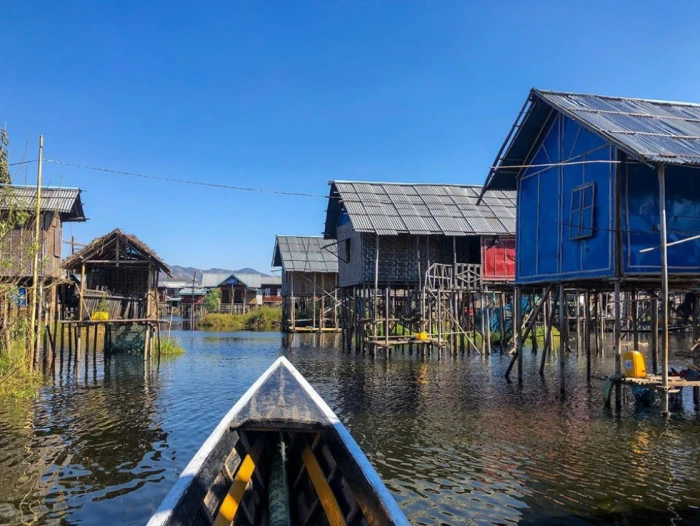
(586, 169)
(120, 273)
(603, 183)
(17, 209)
(405, 235)
(411, 254)
(309, 282)
(241, 291)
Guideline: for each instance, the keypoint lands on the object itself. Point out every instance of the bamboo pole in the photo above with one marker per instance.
(33, 329)
(562, 338)
(587, 333)
(661, 171)
(618, 345)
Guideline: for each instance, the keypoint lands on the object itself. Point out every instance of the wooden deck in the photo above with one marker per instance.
(654, 381)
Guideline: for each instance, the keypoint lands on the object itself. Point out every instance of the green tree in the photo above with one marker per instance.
(212, 300)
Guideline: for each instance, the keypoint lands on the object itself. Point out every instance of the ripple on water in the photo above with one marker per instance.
(453, 442)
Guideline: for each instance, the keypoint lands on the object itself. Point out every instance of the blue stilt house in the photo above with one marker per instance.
(587, 171)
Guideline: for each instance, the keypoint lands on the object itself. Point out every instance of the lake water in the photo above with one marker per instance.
(453, 441)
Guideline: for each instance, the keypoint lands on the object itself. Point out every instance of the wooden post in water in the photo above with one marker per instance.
(661, 171)
(635, 321)
(518, 330)
(488, 323)
(618, 345)
(587, 332)
(562, 338)
(654, 333)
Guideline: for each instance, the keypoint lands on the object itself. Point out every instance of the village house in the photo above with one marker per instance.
(309, 268)
(18, 208)
(411, 254)
(242, 291)
(119, 273)
(602, 184)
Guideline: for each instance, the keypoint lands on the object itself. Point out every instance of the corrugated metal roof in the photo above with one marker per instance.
(305, 254)
(419, 209)
(65, 201)
(653, 130)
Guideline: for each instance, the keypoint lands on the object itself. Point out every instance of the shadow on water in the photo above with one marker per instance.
(453, 441)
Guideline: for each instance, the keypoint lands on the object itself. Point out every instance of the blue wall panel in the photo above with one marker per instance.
(640, 211)
(545, 250)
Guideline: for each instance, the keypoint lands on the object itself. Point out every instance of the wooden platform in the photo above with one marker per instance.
(654, 381)
(146, 321)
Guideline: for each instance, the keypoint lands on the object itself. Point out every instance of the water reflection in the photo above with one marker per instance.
(453, 441)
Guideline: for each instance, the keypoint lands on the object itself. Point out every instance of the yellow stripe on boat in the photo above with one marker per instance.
(325, 494)
(233, 498)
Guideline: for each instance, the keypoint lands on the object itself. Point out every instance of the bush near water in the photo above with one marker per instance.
(262, 319)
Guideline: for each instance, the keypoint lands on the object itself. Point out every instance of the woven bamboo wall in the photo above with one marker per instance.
(16, 257)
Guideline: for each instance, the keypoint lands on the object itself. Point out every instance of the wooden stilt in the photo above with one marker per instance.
(654, 334)
(587, 333)
(562, 339)
(618, 345)
(518, 329)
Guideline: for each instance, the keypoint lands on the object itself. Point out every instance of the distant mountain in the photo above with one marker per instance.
(185, 273)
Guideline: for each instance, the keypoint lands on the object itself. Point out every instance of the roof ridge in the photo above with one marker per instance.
(405, 184)
(616, 97)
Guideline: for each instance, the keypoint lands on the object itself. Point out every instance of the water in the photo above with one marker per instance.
(453, 441)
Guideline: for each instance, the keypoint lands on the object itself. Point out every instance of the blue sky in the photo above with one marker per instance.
(289, 95)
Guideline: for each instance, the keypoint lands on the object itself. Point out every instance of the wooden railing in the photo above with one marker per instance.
(440, 276)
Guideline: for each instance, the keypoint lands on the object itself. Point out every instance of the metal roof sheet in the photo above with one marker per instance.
(419, 209)
(65, 201)
(305, 254)
(653, 131)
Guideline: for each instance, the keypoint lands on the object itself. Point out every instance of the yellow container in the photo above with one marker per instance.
(100, 316)
(634, 365)
(422, 336)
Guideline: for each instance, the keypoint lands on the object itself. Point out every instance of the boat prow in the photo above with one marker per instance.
(280, 456)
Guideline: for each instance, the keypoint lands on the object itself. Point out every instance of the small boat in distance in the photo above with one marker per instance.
(279, 457)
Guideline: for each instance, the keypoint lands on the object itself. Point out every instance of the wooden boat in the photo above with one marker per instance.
(279, 457)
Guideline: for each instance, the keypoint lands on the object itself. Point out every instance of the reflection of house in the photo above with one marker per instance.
(309, 281)
(241, 291)
(122, 271)
(58, 205)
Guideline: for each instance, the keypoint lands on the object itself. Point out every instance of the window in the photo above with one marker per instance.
(582, 206)
(266, 293)
(347, 250)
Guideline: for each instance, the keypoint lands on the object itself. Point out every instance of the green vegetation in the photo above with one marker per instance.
(262, 319)
(170, 347)
(212, 300)
(18, 379)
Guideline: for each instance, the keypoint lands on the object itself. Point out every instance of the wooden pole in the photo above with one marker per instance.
(618, 345)
(562, 339)
(661, 171)
(488, 323)
(635, 321)
(654, 334)
(587, 333)
(376, 285)
(518, 328)
(33, 329)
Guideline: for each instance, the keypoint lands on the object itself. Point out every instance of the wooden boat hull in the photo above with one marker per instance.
(235, 476)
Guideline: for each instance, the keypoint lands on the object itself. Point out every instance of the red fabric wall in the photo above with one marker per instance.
(498, 258)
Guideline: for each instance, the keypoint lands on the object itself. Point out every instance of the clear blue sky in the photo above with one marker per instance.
(289, 95)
